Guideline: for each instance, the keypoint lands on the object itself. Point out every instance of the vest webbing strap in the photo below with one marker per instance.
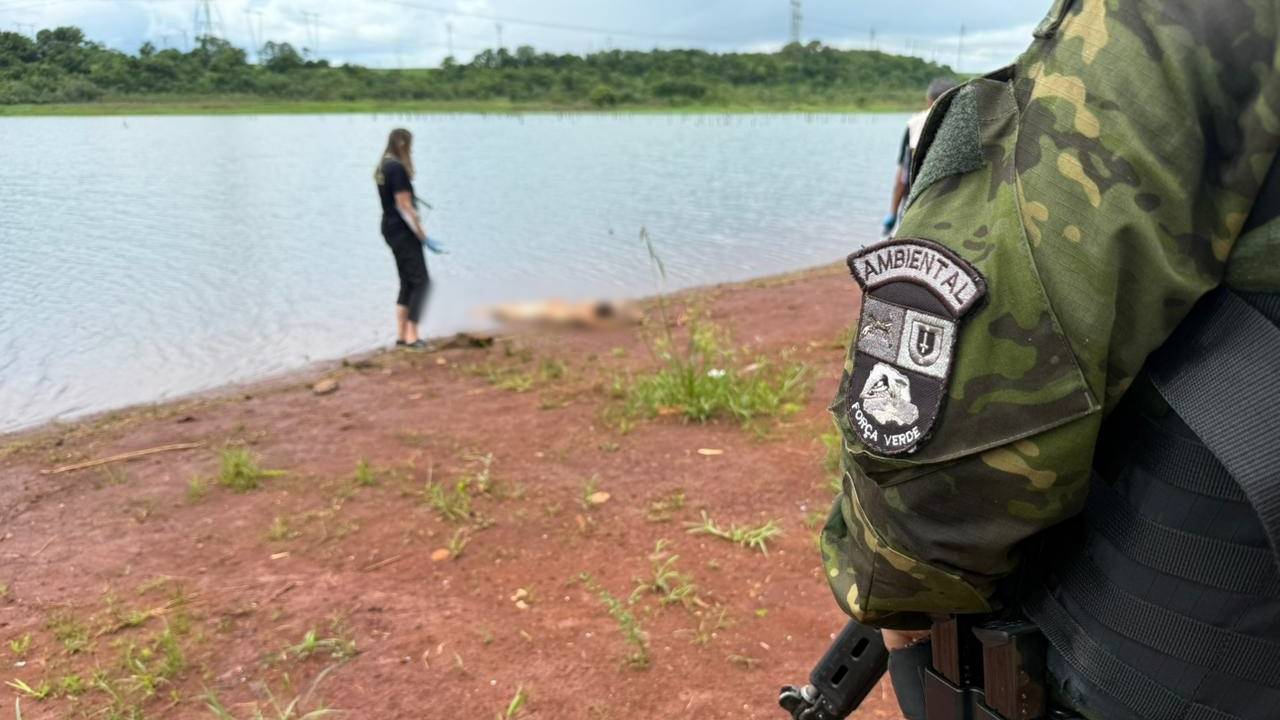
(1216, 563)
(1221, 374)
(1189, 640)
(1131, 688)
(1198, 471)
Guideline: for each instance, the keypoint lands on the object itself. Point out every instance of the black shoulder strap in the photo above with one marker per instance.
(1221, 373)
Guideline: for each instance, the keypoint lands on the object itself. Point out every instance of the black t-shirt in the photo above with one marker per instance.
(395, 179)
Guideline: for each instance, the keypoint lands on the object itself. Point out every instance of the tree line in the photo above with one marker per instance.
(61, 65)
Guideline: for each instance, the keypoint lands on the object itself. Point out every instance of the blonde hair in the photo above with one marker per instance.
(399, 144)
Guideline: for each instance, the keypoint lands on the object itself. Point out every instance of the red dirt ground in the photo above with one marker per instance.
(120, 552)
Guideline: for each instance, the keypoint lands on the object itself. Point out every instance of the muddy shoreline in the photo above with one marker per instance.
(445, 533)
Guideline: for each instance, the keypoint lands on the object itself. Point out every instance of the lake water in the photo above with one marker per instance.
(144, 258)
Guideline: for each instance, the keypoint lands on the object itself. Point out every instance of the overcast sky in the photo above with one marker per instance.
(409, 33)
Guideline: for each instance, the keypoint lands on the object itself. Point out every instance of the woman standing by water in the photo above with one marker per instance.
(402, 228)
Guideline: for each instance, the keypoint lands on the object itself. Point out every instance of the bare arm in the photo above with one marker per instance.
(899, 190)
(408, 213)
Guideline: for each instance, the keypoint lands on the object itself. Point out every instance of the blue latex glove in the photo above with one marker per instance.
(435, 246)
(886, 227)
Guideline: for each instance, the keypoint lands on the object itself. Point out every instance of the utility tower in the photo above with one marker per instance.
(960, 49)
(498, 27)
(208, 21)
(313, 31)
(30, 29)
(797, 18)
(448, 28)
(255, 31)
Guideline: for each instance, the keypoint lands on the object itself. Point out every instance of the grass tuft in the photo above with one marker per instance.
(670, 585)
(340, 648)
(41, 691)
(665, 507)
(19, 646)
(637, 658)
(709, 381)
(516, 705)
(458, 543)
(197, 489)
(749, 537)
(239, 470)
(452, 504)
(365, 475)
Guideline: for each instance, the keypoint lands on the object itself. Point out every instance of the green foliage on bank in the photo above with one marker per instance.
(61, 67)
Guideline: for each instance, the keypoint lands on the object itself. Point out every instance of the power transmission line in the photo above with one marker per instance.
(255, 33)
(312, 21)
(205, 24)
(543, 24)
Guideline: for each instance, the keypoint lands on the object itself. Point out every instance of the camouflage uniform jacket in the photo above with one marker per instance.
(1121, 169)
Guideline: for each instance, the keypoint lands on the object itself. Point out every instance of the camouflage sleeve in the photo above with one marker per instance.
(1086, 198)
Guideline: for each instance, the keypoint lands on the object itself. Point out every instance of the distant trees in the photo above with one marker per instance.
(62, 65)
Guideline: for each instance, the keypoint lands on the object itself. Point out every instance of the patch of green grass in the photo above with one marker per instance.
(552, 369)
(516, 705)
(458, 543)
(280, 530)
(295, 709)
(749, 537)
(452, 504)
(707, 379)
(19, 646)
(481, 478)
(123, 617)
(591, 495)
(239, 470)
(71, 686)
(197, 489)
(340, 647)
(41, 691)
(637, 658)
(153, 664)
(70, 631)
(365, 475)
(710, 623)
(517, 378)
(700, 388)
(670, 585)
(665, 507)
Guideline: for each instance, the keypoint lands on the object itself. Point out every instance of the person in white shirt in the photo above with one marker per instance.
(910, 141)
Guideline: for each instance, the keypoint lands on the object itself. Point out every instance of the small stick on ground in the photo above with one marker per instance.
(382, 563)
(276, 595)
(122, 457)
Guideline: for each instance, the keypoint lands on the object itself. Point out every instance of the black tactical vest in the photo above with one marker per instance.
(1164, 602)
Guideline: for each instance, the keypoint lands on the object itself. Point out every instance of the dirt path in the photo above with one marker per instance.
(138, 587)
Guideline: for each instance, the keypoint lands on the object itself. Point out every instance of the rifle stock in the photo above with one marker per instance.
(842, 679)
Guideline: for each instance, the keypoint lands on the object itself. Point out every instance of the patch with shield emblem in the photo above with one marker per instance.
(915, 295)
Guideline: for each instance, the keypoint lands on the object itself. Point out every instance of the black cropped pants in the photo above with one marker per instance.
(411, 264)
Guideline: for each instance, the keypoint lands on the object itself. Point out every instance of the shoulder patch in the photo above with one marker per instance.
(915, 294)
